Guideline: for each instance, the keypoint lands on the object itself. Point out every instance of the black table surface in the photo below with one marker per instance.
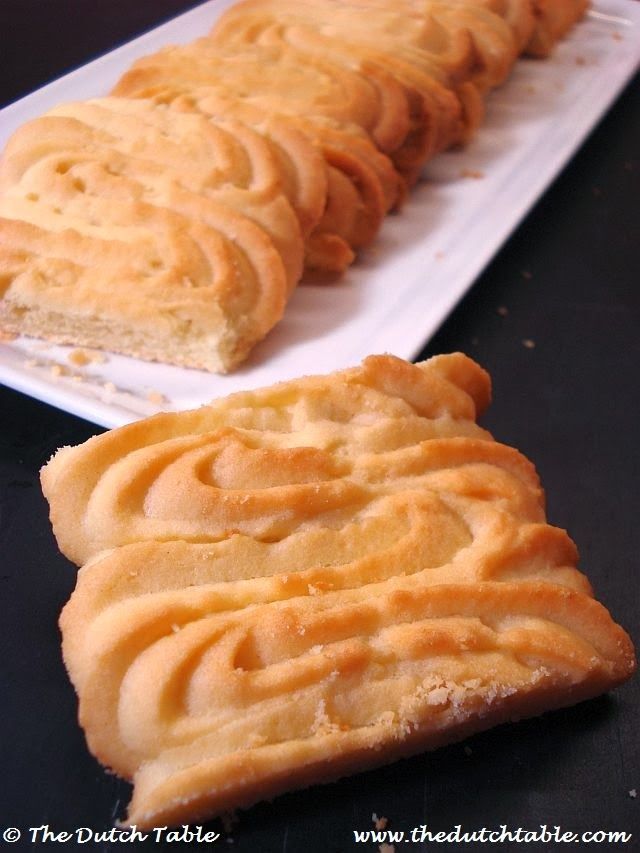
(569, 281)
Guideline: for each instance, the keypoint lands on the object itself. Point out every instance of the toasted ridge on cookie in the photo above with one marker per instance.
(301, 581)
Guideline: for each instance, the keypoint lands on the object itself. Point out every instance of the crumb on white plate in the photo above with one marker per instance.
(471, 173)
(156, 397)
(79, 358)
(82, 357)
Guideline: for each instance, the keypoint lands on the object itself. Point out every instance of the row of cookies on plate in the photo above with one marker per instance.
(172, 220)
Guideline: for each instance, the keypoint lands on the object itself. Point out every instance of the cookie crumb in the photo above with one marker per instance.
(57, 370)
(616, 36)
(503, 310)
(228, 820)
(82, 357)
(471, 173)
(580, 60)
(530, 90)
(109, 387)
(439, 256)
(156, 397)
(379, 822)
(7, 337)
(79, 358)
(527, 343)
(32, 362)
(633, 793)
(387, 848)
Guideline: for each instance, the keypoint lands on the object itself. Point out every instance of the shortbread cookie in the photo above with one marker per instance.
(282, 80)
(362, 183)
(298, 582)
(373, 45)
(408, 114)
(554, 19)
(159, 235)
(537, 25)
(455, 41)
(517, 14)
(466, 48)
(225, 159)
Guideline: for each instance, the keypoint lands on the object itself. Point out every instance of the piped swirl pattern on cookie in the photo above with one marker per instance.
(301, 581)
(179, 224)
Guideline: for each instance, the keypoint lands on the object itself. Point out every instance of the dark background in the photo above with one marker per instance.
(569, 278)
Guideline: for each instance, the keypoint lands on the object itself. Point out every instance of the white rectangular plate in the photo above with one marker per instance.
(425, 259)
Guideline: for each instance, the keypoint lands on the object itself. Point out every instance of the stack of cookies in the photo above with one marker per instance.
(172, 220)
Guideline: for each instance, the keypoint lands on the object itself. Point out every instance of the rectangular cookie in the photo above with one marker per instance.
(302, 581)
(162, 235)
